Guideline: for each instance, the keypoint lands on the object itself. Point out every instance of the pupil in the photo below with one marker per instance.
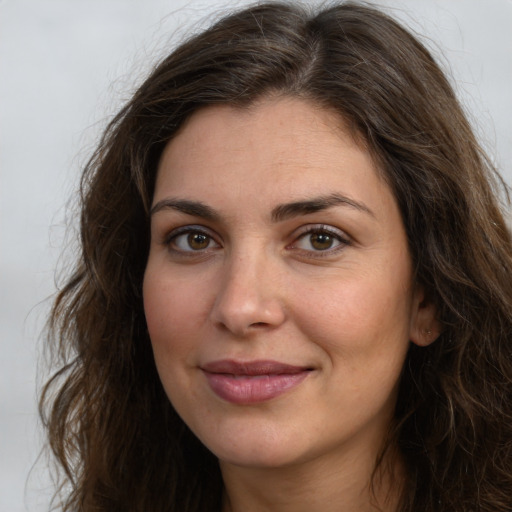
(321, 241)
(198, 241)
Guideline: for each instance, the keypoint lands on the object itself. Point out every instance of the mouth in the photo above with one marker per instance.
(241, 382)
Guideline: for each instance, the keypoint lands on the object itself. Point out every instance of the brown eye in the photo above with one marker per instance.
(321, 241)
(198, 241)
(318, 239)
(190, 241)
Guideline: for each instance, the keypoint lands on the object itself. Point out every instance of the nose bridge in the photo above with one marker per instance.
(249, 292)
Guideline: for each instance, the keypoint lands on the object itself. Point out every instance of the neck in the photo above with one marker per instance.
(343, 486)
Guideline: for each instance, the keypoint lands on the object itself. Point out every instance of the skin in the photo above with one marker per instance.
(255, 284)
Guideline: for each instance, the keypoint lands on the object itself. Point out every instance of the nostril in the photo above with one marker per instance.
(258, 324)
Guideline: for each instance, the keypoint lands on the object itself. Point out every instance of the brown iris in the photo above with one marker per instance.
(198, 241)
(321, 241)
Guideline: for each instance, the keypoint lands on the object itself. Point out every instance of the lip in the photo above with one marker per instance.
(249, 382)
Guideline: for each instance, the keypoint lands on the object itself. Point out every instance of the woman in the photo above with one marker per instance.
(294, 291)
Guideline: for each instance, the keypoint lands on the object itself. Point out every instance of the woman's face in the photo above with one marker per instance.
(278, 291)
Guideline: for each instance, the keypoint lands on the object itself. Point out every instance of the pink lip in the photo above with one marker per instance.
(252, 381)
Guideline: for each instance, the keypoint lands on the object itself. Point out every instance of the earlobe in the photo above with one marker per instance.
(425, 327)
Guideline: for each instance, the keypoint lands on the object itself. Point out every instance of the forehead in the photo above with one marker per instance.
(280, 149)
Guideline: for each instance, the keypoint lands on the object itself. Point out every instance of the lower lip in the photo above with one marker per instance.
(250, 389)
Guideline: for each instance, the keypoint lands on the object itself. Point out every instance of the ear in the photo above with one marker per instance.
(425, 328)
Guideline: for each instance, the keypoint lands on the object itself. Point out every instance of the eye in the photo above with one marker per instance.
(321, 239)
(190, 240)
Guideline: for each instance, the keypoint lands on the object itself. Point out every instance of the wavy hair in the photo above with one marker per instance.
(121, 445)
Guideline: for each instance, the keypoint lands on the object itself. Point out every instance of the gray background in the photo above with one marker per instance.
(65, 66)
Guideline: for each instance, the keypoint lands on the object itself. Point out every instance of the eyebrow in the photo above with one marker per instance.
(279, 213)
(194, 208)
(316, 204)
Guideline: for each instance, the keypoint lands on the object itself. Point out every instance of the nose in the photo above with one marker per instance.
(249, 298)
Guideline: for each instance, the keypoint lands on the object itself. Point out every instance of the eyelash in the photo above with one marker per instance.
(335, 234)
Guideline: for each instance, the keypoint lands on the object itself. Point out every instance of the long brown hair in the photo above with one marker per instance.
(121, 445)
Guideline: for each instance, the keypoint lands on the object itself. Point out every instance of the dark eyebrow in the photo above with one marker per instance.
(316, 204)
(195, 208)
(279, 213)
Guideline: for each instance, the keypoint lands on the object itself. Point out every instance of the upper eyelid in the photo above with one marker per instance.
(311, 228)
(197, 228)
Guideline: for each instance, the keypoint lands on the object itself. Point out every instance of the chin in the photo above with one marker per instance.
(261, 448)
(257, 458)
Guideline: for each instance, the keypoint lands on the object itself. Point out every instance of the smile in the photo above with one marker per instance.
(254, 381)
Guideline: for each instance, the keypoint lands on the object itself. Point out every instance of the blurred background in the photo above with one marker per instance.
(65, 67)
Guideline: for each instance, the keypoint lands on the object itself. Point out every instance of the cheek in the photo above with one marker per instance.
(172, 309)
(172, 312)
(359, 315)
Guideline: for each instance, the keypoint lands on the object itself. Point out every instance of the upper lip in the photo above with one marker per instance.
(259, 367)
